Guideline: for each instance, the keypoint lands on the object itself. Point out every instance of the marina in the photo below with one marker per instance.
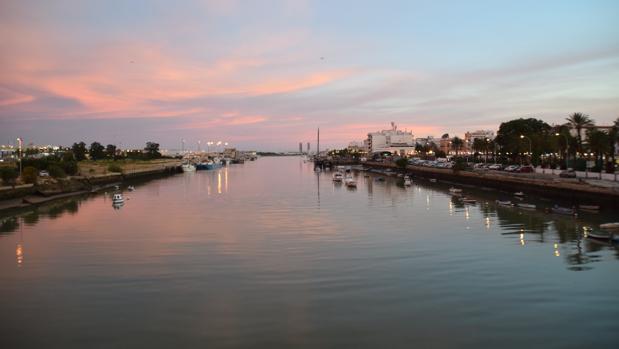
(398, 255)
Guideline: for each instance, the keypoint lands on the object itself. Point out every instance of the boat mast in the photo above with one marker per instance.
(318, 143)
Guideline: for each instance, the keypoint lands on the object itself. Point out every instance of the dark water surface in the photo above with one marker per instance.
(269, 254)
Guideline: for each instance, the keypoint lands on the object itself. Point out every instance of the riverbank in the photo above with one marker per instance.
(572, 190)
(48, 190)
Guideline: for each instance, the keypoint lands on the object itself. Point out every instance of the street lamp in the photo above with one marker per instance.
(567, 148)
(20, 141)
(529, 139)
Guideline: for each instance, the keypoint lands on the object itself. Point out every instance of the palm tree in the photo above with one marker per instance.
(613, 137)
(578, 121)
(598, 143)
(457, 144)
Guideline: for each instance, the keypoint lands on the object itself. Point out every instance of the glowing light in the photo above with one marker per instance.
(218, 182)
(19, 252)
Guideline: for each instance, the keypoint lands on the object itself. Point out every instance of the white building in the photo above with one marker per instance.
(393, 141)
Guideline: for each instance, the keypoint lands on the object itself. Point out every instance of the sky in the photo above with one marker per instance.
(265, 74)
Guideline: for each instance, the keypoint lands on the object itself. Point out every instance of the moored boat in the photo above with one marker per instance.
(589, 207)
(526, 206)
(518, 193)
(188, 167)
(504, 203)
(563, 210)
(350, 182)
(337, 177)
(610, 226)
(408, 182)
(455, 190)
(118, 199)
(468, 200)
(432, 180)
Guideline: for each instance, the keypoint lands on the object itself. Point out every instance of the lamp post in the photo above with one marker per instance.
(20, 142)
(567, 148)
(529, 139)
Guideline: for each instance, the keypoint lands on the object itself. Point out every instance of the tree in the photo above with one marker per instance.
(56, 171)
(577, 121)
(537, 132)
(152, 150)
(96, 151)
(9, 175)
(29, 174)
(457, 143)
(613, 137)
(79, 151)
(110, 150)
(68, 156)
(479, 145)
(401, 163)
(598, 143)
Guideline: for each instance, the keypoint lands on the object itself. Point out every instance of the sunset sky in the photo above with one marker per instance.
(265, 74)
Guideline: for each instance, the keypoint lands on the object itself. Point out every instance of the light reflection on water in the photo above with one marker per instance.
(270, 253)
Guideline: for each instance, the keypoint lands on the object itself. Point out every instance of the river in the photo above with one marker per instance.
(270, 254)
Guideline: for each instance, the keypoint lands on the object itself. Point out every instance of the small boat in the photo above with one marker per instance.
(408, 182)
(563, 210)
(468, 200)
(610, 226)
(589, 207)
(337, 177)
(455, 190)
(350, 182)
(131, 188)
(526, 206)
(603, 236)
(188, 168)
(518, 193)
(213, 164)
(504, 203)
(432, 180)
(117, 199)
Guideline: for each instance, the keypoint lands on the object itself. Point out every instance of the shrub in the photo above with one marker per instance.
(114, 168)
(56, 172)
(8, 175)
(29, 174)
(70, 168)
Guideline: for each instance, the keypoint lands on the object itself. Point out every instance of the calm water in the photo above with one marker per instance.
(269, 254)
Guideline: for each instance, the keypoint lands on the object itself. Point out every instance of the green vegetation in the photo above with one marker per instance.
(96, 151)
(115, 168)
(56, 171)
(401, 163)
(29, 174)
(79, 151)
(8, 175)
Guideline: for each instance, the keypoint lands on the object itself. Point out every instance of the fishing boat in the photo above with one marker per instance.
(350, 182)
(603, 236)
(337, 177)
(188, 167)
(213, 164)
(589, 207)
(526, 206)
(504, 203)
(118, 199)
(610, 226)
(455, 190)
(563, 210)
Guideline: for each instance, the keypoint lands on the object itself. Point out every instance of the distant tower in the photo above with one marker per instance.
(301, 147)
(308, 147)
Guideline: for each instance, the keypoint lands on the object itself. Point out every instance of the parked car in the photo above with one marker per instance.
(567, 174)
(495, 167)
(511, 168)
(43, 173)
(525, 169)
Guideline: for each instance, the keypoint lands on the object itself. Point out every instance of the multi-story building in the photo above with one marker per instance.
(394, 141)
(470, 137)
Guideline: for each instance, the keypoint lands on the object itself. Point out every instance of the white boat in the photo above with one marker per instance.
(609, 226)
(519, 193)
(350, 182)
(408, 182)
(526, 206)
(188, 167)
(337, 176)
(504, 203)
(432, 180)
(455, 190)
(468, 200)
(131, 188)
(118, 199)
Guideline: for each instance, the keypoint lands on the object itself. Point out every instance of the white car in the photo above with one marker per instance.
(43, 173)
(495, 167)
